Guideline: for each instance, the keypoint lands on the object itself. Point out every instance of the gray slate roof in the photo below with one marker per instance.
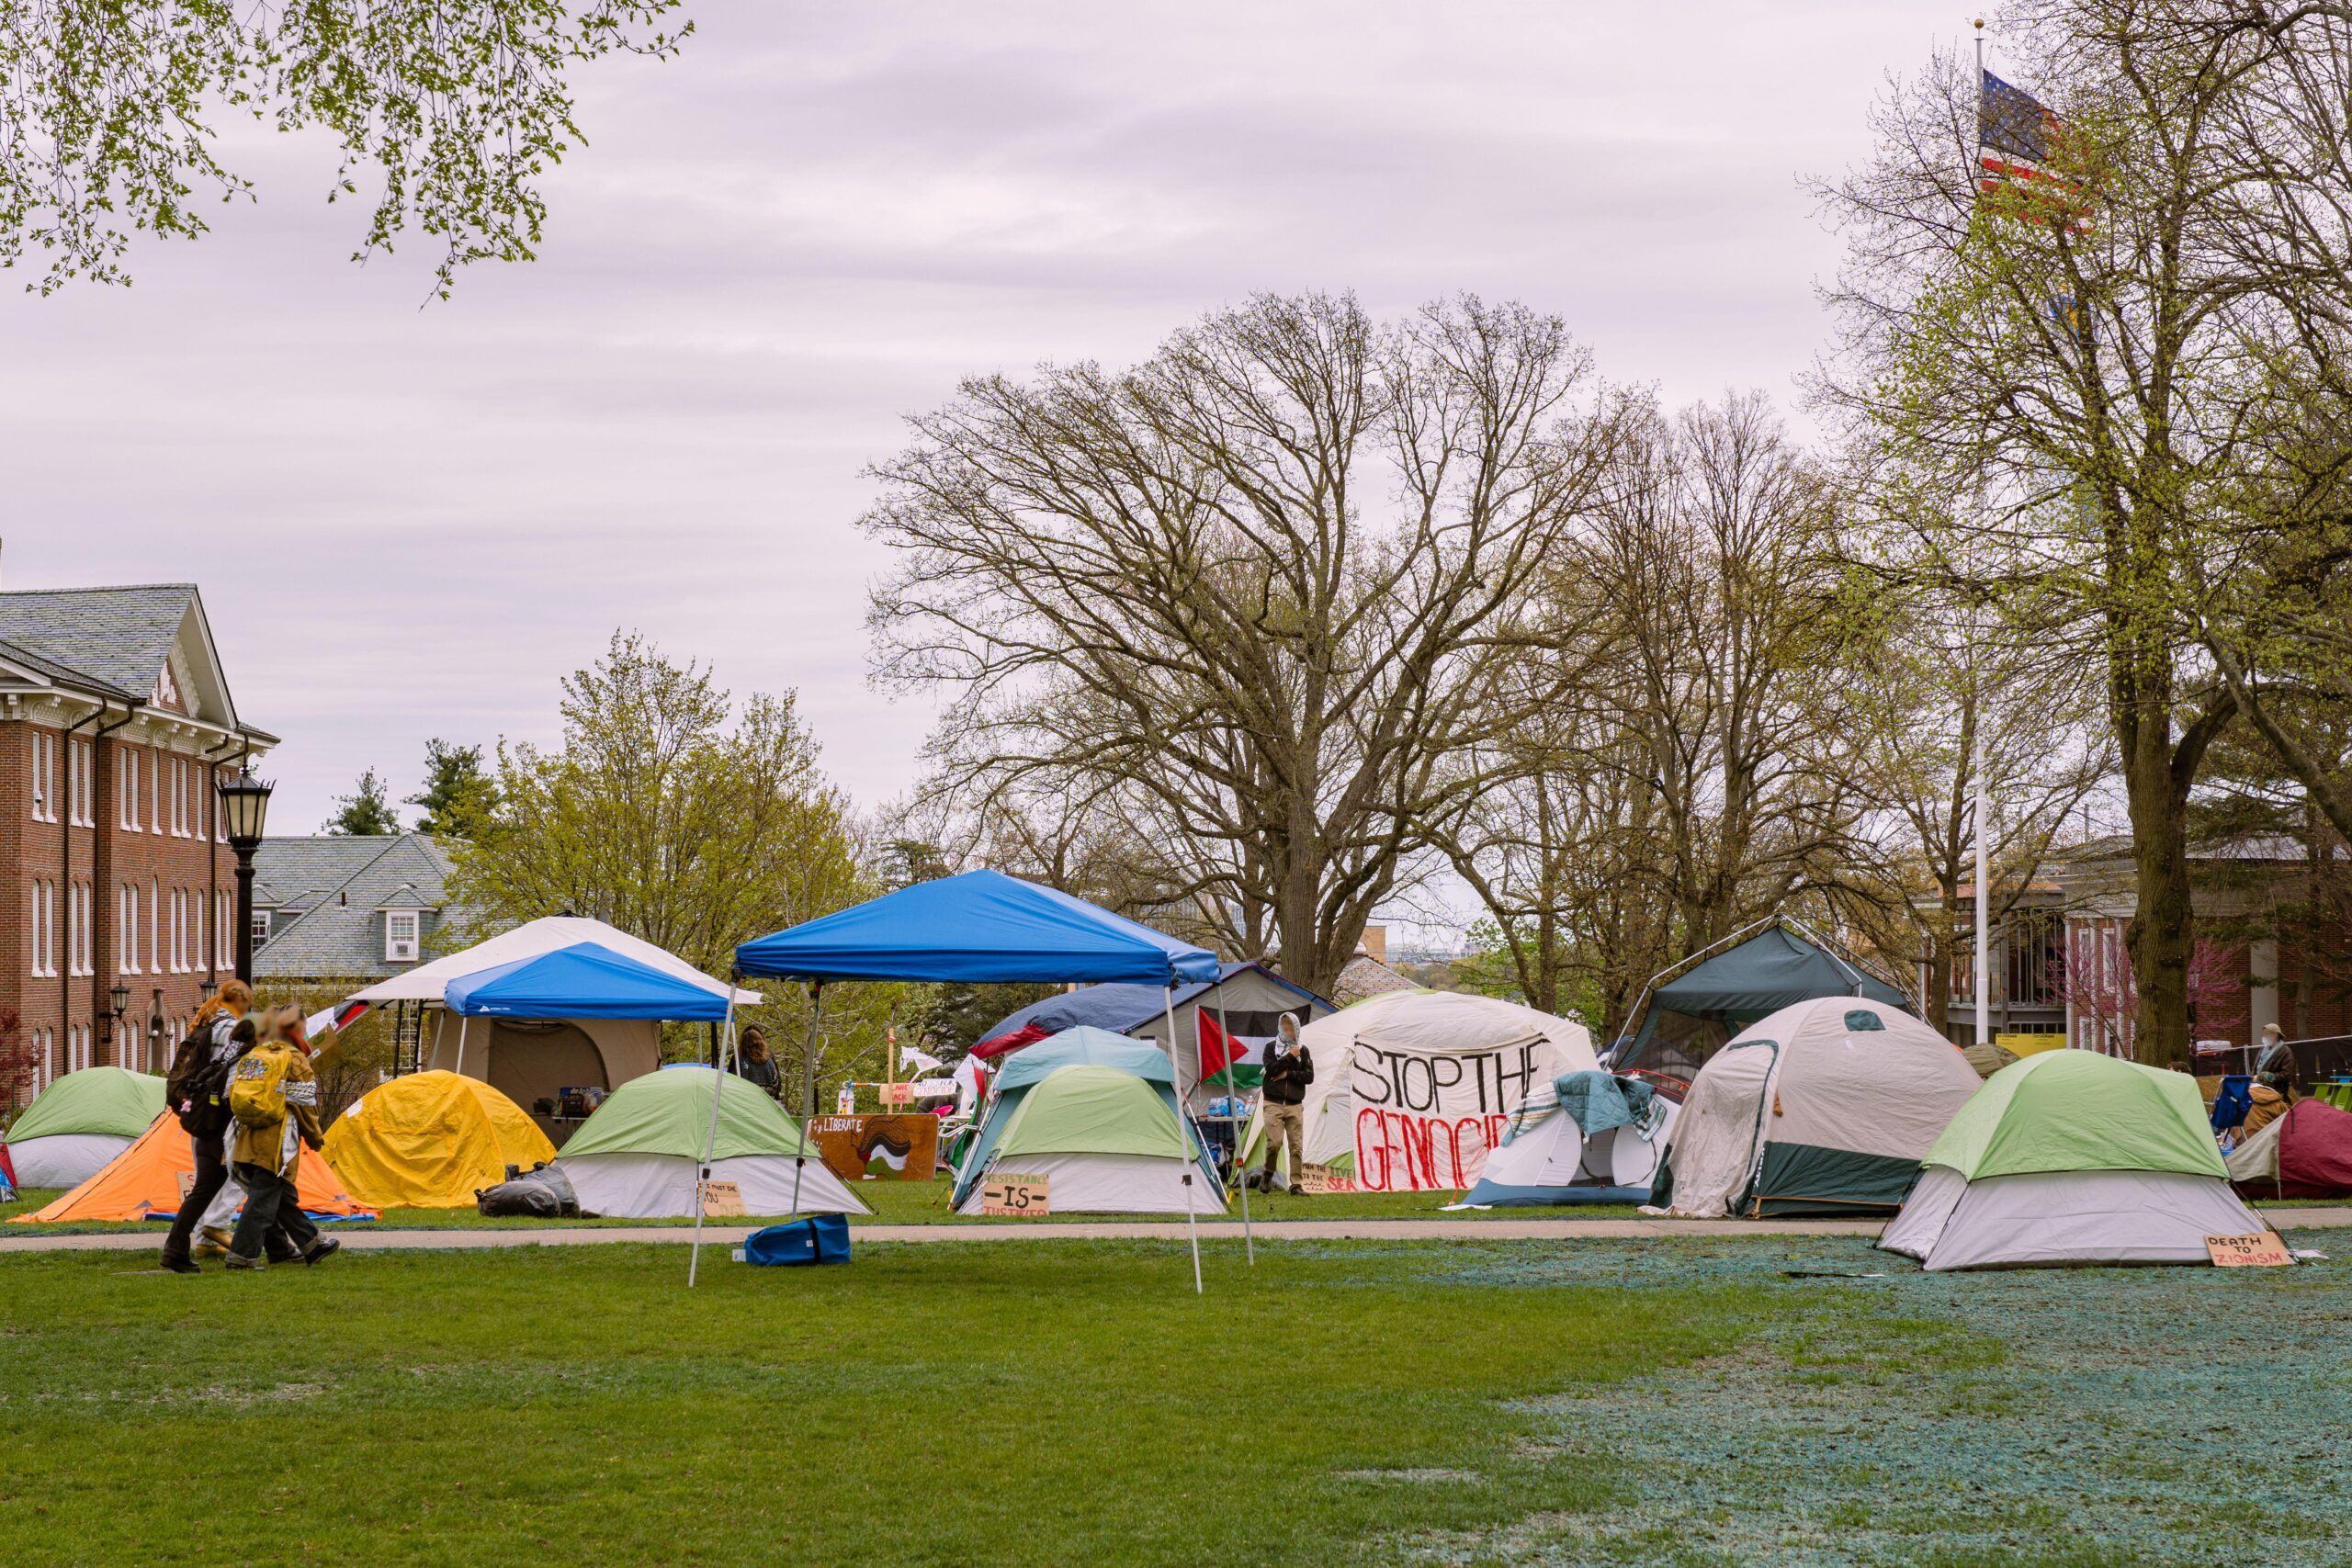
(330, 891)
(118, 636)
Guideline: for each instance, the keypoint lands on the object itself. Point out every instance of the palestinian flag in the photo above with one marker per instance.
(1227, 1062)
(342, 1015)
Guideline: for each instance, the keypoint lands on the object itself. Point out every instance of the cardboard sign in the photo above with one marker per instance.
(1017, 1197)
(722, 1201)
(1313, 1178)
(186, 1182)
(902, 1148)
(897, 1093)
(2263, 1249)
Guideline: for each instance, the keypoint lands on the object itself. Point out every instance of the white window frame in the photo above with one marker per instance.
(179, 798)
(154, 925)
(126, 786)
(77, 929)
(81, 771)
(264, 919)
(400, 949)
(126, 921)
(44, 770)
(224, 921)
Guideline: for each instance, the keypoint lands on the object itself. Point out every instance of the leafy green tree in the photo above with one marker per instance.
(366, 811)
(675, 814)
(453, 112)
(458, 793)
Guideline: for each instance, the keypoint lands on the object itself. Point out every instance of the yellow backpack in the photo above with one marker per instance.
(257, 1088)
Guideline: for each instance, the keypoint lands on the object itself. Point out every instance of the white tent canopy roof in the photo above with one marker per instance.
(426, 982)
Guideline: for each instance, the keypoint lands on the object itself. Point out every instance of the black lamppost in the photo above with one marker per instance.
(244, 805)
(118, 1003)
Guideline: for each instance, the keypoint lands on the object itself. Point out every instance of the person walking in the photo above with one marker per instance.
(1289, 1069)
(755, 1064)
(196, 1090)
(273, 1095)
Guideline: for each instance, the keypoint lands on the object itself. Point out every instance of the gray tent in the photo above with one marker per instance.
(1689, 1017)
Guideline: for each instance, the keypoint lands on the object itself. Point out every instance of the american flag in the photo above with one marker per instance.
(2016, 135)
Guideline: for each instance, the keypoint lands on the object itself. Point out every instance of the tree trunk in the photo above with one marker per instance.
(2163, 925)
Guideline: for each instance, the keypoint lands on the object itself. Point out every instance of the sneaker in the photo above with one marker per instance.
(326, 1247)
(176, 1265)
(240, 1263)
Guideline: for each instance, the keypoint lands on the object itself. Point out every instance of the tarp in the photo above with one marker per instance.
(111, 1102)
(1743, 983)
(2080, 1111)
(585, 980)
(143, 1183)
(1026, 1071)
(668, 1113)
(981, 926)
(1116, 1006)
(2307, 1153)
(431, 1141)
(1095, 1047)
(428, 982)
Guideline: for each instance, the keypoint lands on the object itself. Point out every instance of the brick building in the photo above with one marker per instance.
(115, 717)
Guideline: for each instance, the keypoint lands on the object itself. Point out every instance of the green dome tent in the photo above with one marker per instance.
(2072, 1157)
(638, 1154)
(80, 1122)
(1096, 1115)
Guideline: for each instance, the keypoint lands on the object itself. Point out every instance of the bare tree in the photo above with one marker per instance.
(1246, 598)
(2102, 355)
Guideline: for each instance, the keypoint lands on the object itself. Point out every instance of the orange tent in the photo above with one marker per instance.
(143, 1183)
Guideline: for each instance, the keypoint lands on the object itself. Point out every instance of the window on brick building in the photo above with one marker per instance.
(127, 771)
(223, 926)
(154, 926)
(44, 766)
(80, 768)
(126, 934)
(77, 929)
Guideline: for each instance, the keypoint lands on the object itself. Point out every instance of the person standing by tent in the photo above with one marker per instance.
(197, 1092)
(273, 1095)
(1289, 1069)
(755, 1064)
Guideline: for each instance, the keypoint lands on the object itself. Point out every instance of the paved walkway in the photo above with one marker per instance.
(1051, 1230)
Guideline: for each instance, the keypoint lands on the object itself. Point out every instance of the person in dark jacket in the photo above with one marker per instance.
(197, 1093)
(755, 1063)
(1289, 1069)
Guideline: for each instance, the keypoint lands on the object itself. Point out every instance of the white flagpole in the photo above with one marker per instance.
(1240, 1168)
(461, 1046)
(1183, 1148)
(711, 1138)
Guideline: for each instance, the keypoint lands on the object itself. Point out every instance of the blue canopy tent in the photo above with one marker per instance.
(981, 926)
(585, 980)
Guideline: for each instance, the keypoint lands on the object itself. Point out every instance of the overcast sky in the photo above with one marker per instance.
(409, 522)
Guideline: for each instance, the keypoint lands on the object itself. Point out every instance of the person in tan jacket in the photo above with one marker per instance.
(275, 1077)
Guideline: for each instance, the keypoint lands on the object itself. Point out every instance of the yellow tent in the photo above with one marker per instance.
(432, 1140)
(144, 1182)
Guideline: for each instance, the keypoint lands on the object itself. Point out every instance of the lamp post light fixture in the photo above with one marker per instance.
(245, 807)
(118, 1003)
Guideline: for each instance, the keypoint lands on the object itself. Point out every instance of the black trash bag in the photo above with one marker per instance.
(541, 1193)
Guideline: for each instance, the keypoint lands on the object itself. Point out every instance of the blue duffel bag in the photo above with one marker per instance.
(819, 1238)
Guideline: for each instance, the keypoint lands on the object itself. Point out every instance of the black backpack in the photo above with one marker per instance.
(197, 1090)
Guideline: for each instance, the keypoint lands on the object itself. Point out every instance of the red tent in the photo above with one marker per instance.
(2307, 1153)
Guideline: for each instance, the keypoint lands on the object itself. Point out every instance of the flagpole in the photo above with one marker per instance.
(710, 1137)
(1984, 794)
(1183, 1148)
(1232, 1086)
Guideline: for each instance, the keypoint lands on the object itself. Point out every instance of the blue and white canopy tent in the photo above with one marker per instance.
(981, 926)
(585, 980)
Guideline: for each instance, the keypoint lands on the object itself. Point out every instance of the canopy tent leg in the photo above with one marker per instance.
(807, 1086)
(1240, 1172)
(461, 1047)
(1183, 1150)
(711, 1138)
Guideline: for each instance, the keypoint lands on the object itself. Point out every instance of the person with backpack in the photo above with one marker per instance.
(273, 1095)
(197, 1093)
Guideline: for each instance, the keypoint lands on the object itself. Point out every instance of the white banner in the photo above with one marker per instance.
(1426, 1119)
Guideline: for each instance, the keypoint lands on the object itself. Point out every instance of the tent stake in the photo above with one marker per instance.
(711, 1138)
(1241, 1166)
(1183, 1124)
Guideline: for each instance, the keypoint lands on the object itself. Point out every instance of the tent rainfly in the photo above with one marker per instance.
(640, 1155)
(1827, 1107)
(1097, 1114)
(2071, 1157)
(431, 1141)
(2306, 1153)
(1689, 1017)
(80, 1122)
(143, 1182)
(1584, 1137)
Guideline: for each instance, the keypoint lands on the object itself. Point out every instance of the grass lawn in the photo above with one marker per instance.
(1749, 1401)
(925, 1202)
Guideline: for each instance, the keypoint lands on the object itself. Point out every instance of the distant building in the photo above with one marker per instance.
(114, 720)
(2059, 964)
(337, 908)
